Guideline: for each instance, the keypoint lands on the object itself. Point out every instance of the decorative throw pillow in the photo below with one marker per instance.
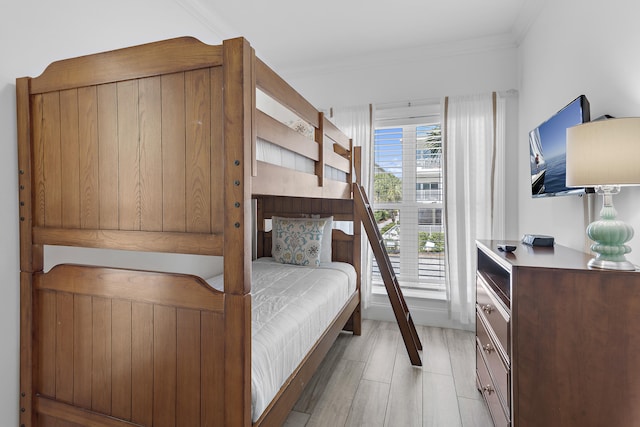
(297, 240)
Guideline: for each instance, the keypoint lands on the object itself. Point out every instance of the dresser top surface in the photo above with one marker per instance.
(556, 256)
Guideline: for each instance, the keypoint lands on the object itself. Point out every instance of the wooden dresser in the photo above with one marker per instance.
(557, 344)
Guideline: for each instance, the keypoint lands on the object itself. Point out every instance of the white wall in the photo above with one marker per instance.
(411, 74)
(577, 47)
(33, 34)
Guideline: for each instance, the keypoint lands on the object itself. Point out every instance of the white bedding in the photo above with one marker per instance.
(290, 309)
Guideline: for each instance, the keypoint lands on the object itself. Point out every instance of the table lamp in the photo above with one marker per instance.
(605, 154)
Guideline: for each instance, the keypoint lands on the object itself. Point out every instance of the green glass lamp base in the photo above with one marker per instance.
(610, 236)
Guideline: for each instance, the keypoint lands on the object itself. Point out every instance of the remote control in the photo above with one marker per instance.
(507, 248)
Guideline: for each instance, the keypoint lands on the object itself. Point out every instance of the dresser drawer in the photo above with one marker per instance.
(487, 388)
(497, 317)
(495, 363)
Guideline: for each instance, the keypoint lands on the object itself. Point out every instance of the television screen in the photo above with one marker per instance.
(547, 150)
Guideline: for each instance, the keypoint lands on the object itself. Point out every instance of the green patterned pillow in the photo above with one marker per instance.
(297, 240)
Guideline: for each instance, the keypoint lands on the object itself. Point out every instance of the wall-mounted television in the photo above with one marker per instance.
(547, 150)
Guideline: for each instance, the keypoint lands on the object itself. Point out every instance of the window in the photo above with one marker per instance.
(408, 202)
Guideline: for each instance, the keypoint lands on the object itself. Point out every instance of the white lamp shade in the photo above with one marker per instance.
(604, 152)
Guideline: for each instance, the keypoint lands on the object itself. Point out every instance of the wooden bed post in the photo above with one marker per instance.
(239, 102)
(31, 256)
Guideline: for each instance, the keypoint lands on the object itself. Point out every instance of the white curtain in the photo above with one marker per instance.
(357, 123)
(474, 191)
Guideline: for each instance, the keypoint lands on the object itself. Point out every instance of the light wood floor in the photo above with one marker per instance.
(369, 381)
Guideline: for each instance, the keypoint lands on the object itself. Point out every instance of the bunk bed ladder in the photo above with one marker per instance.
(399, 305)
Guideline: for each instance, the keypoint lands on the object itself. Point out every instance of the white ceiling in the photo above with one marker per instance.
(298, 34)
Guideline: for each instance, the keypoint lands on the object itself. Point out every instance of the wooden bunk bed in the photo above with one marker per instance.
(153, 148)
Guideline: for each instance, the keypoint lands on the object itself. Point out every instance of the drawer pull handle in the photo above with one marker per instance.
(487, 308)
(488, 389)
(488, 348)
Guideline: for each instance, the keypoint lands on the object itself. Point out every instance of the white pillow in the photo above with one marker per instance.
(325, 252)
(297, 240)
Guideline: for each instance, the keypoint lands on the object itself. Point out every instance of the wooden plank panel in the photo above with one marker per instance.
(88, 147)
(277, 133)
(70, 159)
(51, 160)
(186, 53)
(272, 84)
(173, 153)
(128, 156)
(121, 359)
(336, 135)
(150, 119)
(164, 366)
(161, 288)
(38, 189)
(108, 156)
(55, 412)
(47, 421)
(82, 343)
(45, 322)
(217, 147)
(64, 347)
(341, 210)
(188, 368)
(344, 206)
(199, 244)
(293, 205)
(142, 363)
(276, 180)
(342, 251)
(336, 161)
(316, 206)
(212, 369)
(198, 150)
(101, 356)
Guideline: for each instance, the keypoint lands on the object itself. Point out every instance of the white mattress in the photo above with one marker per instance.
(291, 308)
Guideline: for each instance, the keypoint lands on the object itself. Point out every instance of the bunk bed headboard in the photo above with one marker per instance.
(345, 247)
(105, 132)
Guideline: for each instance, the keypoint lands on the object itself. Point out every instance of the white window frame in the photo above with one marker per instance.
(408, 118)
